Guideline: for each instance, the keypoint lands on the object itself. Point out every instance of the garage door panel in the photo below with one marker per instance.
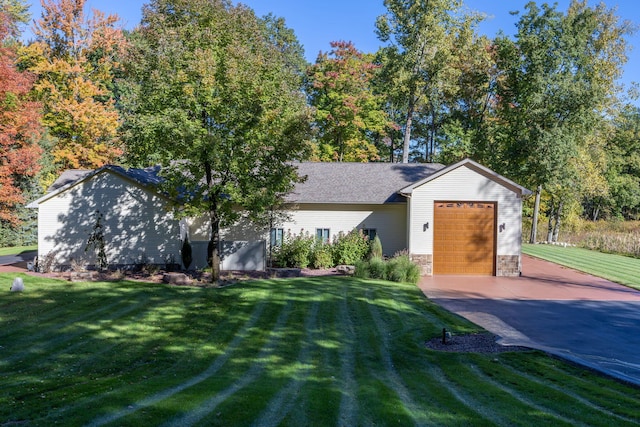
(464, 238)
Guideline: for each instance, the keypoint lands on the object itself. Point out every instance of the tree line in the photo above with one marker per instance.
(220, 96)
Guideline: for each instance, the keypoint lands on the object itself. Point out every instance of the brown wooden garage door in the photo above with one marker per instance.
(464, 238)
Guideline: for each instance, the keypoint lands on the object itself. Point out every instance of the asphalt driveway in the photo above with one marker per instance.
(15, 259)
(573, 315)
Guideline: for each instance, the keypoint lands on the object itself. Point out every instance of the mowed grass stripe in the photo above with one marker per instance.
(617, 268)
(281, 404)
(484, 414)
(589, 389)
(213, 368)
(516, 388)
(389, 372)
(140, 376)
(82, 332)
(320, 393)
(348, 411)
(258, 364)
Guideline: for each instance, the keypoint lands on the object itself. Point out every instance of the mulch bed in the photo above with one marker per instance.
(197, 278)
(472, 343)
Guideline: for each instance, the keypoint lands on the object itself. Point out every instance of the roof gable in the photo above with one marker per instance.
(482, 170)
(148, 178)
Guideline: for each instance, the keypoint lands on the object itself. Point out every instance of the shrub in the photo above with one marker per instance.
(376, 248)
(350, 248)
(398, 269)
(401, 269)
(362, 270)
(377, 268)
(295, 251)
(186, 253)
(321, 255)
(47, 262)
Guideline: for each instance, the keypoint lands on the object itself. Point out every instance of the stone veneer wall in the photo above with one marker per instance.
(508, 265)
(425, 262)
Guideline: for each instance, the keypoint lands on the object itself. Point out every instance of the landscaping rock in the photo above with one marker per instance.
(83, 276)
(348, 270)
(177, 279)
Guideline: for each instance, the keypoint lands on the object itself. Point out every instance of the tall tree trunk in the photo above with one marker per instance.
(534, 223)
(407, 128)
(556, 226)
(552, 215)
(213, 248)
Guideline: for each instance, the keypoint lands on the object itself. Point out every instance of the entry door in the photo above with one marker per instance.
(464, 238)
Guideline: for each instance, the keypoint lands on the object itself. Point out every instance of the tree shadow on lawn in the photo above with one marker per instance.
(94, 353)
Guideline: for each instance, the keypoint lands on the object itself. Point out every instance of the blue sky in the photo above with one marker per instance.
(316, 23)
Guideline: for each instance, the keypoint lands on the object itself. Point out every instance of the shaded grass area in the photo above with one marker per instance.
(306, 351)
(16, 250)
(617, 268)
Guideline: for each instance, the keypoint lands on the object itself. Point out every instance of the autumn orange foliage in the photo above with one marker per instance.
(19, 127)
(74, 58)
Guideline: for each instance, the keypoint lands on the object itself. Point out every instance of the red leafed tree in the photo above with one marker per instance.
(19, 127)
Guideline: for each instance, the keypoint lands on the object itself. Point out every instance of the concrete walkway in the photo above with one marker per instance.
(576, 316)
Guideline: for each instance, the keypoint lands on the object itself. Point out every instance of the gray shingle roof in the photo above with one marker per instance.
(146, 176)
(361, 183)
(67, 177)
(370, 183)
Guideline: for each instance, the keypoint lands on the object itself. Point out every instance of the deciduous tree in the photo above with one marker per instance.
(349, 115)
(558, 82)
(215, 101)
(420, 36)
(74, 58)
(19, 128)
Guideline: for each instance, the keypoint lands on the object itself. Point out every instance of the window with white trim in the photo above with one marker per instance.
(276, 237)
(322, 234)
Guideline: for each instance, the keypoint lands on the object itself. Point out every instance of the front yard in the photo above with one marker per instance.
(306, 351)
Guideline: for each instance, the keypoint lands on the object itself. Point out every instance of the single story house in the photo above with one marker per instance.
(458, 219)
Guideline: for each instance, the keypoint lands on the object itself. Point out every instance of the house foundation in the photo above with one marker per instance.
(508, 265)
(425, 262)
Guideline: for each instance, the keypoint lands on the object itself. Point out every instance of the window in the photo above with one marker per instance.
(276, 237)
(371, 233)
(322, 234)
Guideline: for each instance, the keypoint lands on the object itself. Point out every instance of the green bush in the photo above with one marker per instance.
(362, 270)
(398, 269)
(401, 269)
(295, 251)
(350, 248)
(376, 248)
(321, 255)
(378, 268)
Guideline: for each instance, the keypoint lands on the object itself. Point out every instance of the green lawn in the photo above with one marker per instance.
(617, 268)
(15, 250)
(308, 351)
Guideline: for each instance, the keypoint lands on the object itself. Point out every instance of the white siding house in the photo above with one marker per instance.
(138, 226)
(467, 181)
(478, 221)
